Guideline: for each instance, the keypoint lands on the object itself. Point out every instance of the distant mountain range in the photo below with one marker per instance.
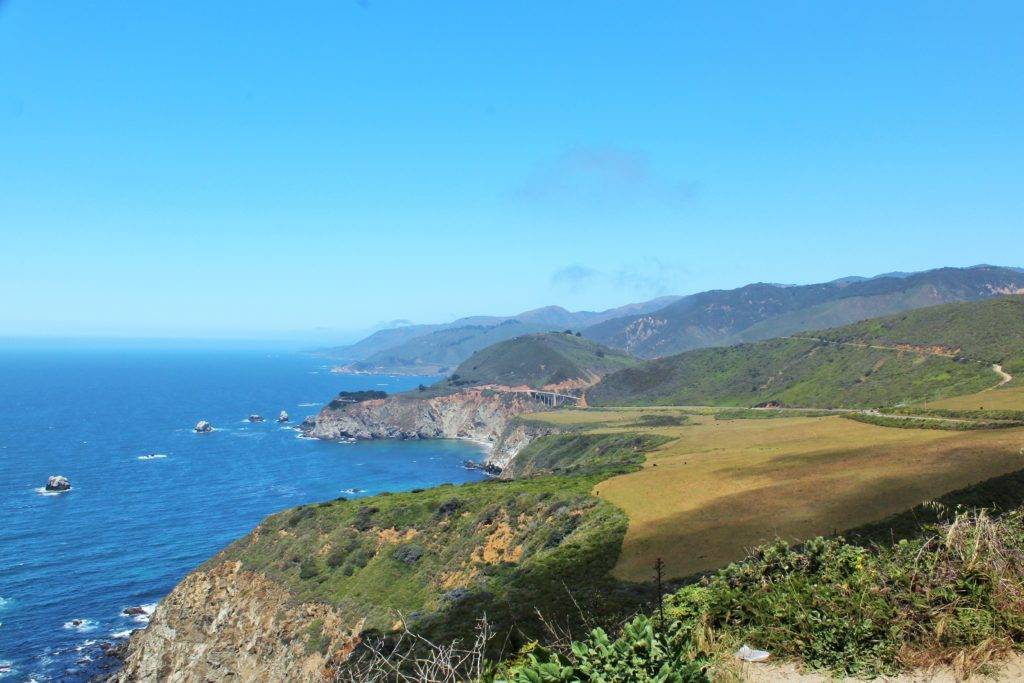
(670, 325)
(762, 311)
(437, 349)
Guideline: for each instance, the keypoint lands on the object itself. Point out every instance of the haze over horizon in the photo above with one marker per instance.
(199, 171)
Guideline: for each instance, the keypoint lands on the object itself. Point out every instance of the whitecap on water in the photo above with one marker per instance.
(353, 491)
(84, 644)
(43, 492)
(308, 405)
(121, 635)
(147, 613)
(152, 456)
(82, 625)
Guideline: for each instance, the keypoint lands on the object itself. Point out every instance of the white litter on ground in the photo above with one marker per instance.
(749, 654)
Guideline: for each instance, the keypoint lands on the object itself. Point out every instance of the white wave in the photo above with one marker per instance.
(152, 456)
(353, 491)
(43, 492)
(84, 644)
(308, 405)
(5, 602)
(147, 613)
(81, 625)
(121, 635)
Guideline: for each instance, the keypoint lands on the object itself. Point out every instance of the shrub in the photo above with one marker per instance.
(308, 569)
(955, 597)
(640, 653)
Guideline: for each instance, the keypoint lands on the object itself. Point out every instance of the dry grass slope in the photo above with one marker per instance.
(721, 487)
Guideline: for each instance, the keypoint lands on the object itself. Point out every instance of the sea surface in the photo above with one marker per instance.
(150, 499)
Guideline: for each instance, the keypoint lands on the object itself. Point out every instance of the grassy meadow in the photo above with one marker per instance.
(1009, 397)
(718, 487)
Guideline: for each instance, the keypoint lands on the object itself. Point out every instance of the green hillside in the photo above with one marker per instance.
(990, 331)
(445, 555)
(537, 360)
(838, 367)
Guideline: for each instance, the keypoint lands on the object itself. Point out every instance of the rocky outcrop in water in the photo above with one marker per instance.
(203, 427)
(58, 483)
(255, 418)
(282, 416)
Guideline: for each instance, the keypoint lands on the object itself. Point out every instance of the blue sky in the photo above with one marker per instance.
(301, 169)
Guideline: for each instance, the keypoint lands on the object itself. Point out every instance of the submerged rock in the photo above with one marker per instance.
(58, 483)
(133, 611)
(282, 416)
(485, 467)
(255, 418)
(202, 427)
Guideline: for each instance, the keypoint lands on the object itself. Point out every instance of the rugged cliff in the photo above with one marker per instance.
(291, 601)
(479, 414)
(225, 623)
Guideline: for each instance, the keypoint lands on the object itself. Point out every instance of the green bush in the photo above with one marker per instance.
(953, 597)
(308, 569)
(641, 653)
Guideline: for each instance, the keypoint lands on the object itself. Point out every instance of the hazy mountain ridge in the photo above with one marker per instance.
(436, 349)
(762, 311)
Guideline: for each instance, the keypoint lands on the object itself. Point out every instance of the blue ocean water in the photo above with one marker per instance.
(151, 499)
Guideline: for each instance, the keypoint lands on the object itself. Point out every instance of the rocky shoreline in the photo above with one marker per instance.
(223, 621)
(478, 414)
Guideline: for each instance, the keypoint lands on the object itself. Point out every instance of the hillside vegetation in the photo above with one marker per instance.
(537, 360)
(860, 365)
(762, 311)
(989, 331)
(951, 597)
(443, 556)
(792, 372)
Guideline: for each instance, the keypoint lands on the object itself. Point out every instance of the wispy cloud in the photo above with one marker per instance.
(648, 276)
(600, 178)
(575, 275)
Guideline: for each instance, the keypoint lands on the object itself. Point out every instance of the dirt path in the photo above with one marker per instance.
(1006, 377)
(1009, 669)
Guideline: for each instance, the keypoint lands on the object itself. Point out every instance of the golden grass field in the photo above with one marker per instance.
(1010, 397)
(722, 487)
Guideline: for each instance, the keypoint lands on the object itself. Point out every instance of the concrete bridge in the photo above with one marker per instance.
(553, 398)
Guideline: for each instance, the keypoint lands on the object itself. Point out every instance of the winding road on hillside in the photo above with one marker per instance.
(1004, 376)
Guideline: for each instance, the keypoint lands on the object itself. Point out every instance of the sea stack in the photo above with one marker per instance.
(282, 416)
(58, 483)
(255, 418)
(202, 427)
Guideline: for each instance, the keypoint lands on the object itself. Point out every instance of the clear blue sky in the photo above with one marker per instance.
(270, 168)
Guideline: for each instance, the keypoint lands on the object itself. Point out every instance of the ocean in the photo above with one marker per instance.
(151, 499)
